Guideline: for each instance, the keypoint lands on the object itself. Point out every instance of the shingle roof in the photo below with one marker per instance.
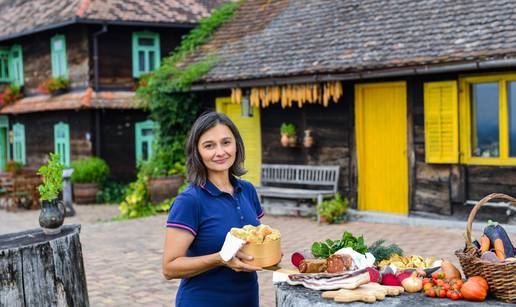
(87, 99)
(20, 16)
(302, 37)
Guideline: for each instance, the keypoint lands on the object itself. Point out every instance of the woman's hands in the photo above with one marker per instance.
(237, 263)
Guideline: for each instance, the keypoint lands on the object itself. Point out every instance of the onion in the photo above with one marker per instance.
(413, 283)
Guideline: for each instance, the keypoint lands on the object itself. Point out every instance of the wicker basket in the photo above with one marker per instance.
(501, 277)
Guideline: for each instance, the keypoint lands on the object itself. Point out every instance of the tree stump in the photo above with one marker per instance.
(40, 270)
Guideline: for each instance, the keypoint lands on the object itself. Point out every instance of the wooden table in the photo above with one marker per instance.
(293, 296)
(41, 270)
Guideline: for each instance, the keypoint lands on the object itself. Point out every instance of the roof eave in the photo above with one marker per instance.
(366, 74)
(77, 20)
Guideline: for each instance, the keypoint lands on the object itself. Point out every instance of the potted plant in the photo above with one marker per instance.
(52, 213)
(87, 175)
(308, 139)
(54, 86)
(165, 180)
(11, 94)
(333, 210)
(288, 135)
(13, 167)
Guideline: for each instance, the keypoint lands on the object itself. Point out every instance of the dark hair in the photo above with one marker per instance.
(196, 170)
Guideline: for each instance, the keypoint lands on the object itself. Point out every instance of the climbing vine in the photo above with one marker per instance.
(165, 93)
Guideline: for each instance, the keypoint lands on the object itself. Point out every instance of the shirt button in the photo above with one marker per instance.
(238, 207)
(241, 217)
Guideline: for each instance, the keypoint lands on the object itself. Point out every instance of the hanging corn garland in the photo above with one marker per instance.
(320, 93)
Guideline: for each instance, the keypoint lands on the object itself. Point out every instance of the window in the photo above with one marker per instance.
(488, 120)
(146, 53)
(62, 142)
(58, 56)
(4, 66)
(19, 143)
(16, 59)
(144, 140)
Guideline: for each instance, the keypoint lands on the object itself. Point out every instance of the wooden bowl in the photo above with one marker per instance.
(264, 254)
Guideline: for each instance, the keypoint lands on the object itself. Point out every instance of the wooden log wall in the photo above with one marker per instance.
(39, 134)
(37, 64)
(115, 53)
(331, 128)
(117, 141)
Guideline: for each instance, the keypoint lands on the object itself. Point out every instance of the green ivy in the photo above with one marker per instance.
(165, 93)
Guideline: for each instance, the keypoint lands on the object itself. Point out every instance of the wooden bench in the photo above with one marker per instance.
(298, 182)
(504, 205)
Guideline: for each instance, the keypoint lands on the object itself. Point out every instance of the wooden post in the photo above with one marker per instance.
(40, 270)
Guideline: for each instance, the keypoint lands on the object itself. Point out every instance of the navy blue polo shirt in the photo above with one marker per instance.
(209, 214)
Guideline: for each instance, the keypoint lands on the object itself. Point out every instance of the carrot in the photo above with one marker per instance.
(484, 243)
(499, 249)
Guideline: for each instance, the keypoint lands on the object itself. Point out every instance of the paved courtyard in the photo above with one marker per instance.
(123, 259)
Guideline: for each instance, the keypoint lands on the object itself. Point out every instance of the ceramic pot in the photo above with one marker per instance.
(52, 216)
(284, 140)
(308, 140)
(292, 141)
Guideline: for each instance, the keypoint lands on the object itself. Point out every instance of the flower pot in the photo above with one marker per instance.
(163, 188)
(292, 141)
(284, 140)
(52, 216)
(85, 193)
(308, 140)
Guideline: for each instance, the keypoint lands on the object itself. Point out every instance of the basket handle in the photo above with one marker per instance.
(477, 207)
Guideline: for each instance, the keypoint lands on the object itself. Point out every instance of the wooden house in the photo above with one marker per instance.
(102, 48)
(415, 100)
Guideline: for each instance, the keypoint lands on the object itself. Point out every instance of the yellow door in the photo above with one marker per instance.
(250, 130)
(381, 139)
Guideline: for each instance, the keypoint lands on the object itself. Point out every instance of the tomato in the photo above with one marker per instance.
(430, 292)
(426, 280)
(435, 275)
(446, 286)
(440, 282)
(458, 284)
(449, 293)
(455, 296)
(442, 293)
(427, 286)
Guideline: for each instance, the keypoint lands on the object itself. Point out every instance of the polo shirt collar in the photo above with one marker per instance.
(214, 191)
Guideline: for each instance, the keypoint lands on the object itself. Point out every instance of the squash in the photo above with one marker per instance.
(473, 290)
(494, 231)
(450, 271)
(481, 280)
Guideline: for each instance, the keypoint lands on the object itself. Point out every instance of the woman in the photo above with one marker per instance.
(202, 215)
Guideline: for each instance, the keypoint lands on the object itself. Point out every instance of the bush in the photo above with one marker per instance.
(334, 210)
(111, 192)
(12, 94)
(91, 170)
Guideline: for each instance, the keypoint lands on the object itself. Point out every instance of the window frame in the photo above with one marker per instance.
(65, 159)
(19, 156)
(58, 57)
(13, 62)
(7, 54)
(466, 128)
(140, 138)
(136, 48)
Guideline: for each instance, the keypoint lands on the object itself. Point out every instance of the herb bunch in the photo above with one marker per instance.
(326, 248)
(52, 174)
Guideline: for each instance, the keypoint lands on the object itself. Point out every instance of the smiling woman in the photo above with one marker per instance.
(202, 216)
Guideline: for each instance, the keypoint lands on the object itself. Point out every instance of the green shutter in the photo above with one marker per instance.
(146, 52)
(441, 122)
(4, 66)
(58, 56)
(62, 142)
(144, 132)
(19, 143)
(16, 65)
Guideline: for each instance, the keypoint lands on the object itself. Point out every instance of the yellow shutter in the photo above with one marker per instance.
(441, 122)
